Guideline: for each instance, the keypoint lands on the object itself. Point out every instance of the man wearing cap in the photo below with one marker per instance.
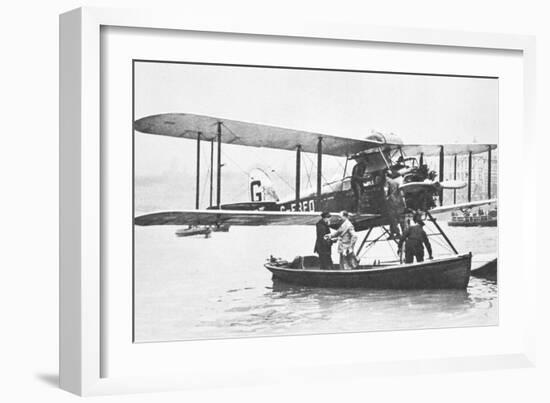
(323, 246)
(415, 238)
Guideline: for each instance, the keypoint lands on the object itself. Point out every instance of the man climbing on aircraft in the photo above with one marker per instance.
(323, 246)
(357, 178)
(415, 238)
(395, 203)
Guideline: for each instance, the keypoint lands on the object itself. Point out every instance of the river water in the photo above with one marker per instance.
(198, 288)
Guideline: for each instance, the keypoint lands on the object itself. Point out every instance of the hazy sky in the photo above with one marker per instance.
(420, 109)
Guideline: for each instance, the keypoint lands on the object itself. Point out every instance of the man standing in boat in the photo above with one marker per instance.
(346, 242)
(323, 246)
(415, 238)
(395, 204)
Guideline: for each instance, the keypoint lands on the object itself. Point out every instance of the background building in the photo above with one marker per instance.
(480, 176)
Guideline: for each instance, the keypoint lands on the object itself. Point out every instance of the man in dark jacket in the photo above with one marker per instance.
(323, 246)
(415, 238)
(357, 180)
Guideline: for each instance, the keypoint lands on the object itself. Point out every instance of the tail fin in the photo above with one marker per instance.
(261, 187)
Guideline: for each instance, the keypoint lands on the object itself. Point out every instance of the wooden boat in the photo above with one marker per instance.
(485, 266)
(449, 272)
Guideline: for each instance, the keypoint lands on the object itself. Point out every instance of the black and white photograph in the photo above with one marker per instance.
(212, 201)
(276, 201)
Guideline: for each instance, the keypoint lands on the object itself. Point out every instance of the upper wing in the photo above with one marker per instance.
(234, 217)
(249, 134)
(448, 149)
(446, 209)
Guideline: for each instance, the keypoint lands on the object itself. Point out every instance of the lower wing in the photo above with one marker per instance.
(236, 217)
(257, 218)
(446, 209)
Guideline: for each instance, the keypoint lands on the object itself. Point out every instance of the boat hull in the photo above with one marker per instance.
(487, 270)
(486, 223)
(451, 273)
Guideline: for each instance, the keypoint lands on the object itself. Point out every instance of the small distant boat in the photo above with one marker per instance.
(195, 230)
(220, 228)
(481, 218)
(449, 272)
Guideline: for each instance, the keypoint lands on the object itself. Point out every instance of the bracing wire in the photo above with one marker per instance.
(229, 158)
(325, 181)
(438, 241)
(247, 174)
(340, 163)
(204, 160)
(205, 185)
(236, 164)
(308, 173)
(279, 176)
(283, 179)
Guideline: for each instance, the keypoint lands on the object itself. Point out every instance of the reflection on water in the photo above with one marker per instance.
(214, 288)
(306, 309)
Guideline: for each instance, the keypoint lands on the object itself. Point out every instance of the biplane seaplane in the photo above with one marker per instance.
(382, 157)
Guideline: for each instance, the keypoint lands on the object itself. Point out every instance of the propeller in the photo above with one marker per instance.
(452, 184)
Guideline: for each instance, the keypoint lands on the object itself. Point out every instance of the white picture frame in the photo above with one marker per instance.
(82, 344)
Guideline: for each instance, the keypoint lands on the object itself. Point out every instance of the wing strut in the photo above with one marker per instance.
(211, 169)
(198, 170)
(298, 175)
(319, 170)
(441, 172)
(454, 177)
(363, 242)
(345, 167)
(219, 172)
(469, 176)
(489, 172)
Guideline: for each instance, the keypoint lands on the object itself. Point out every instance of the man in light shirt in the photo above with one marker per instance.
(346, 242)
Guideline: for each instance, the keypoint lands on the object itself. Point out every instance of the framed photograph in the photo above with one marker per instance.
(248, 201)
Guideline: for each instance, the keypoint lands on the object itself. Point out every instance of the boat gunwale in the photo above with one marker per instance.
(402, 266)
